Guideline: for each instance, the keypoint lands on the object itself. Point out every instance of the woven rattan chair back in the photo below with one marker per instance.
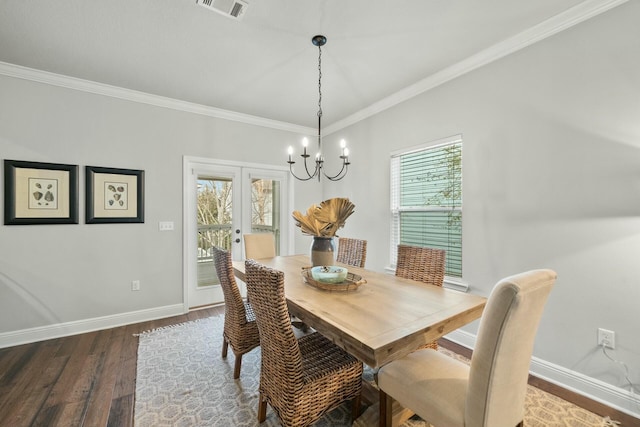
(424, 265)
(281, 360)
(352, 251)
(240, 327)
(301, 379)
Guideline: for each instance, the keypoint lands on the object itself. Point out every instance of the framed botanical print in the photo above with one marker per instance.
(114, 195)
(40, 193)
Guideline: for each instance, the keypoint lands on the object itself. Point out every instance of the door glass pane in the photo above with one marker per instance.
(214, 224)
(265, 211)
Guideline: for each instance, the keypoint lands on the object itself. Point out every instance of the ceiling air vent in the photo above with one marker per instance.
(230, 8)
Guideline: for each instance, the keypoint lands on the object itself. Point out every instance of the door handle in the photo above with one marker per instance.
(237, 240)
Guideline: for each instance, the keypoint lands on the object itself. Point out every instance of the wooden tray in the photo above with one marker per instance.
(351, 283)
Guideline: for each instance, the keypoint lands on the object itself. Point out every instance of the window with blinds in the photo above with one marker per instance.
(426, 199)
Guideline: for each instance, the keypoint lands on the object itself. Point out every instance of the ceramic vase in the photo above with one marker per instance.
(323, 251)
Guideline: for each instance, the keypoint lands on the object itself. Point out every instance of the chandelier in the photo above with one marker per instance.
(319, 41)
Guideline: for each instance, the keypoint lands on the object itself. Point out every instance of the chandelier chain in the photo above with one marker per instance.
(319, 81)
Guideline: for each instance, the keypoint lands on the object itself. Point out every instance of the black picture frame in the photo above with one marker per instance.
(114, 195)
(40, 193)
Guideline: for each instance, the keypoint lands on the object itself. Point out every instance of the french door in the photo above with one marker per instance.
(223, 201)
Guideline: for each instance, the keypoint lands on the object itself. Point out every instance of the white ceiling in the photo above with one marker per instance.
(265, 64)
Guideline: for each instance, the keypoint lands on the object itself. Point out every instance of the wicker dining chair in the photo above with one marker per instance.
(263, 245)
(240, 327)
(352, 251)
(424, 265)
(304, 378)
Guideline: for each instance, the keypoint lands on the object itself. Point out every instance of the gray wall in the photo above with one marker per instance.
(551, 179)
(53, 274)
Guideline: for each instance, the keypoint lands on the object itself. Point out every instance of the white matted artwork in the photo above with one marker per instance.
(114, 195)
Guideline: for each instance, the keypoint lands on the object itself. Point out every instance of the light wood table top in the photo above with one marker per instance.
(384, 319)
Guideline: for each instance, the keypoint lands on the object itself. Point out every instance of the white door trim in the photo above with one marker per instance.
(191, 164)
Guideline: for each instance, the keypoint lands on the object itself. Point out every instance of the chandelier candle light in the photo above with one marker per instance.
(319, 41)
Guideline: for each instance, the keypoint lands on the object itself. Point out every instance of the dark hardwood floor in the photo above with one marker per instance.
(89, 379)
(81, 380)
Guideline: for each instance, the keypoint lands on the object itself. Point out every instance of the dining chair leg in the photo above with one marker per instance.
(355, 407)
(238, 365)
(225, 345)
(385, 411)
(262, 409)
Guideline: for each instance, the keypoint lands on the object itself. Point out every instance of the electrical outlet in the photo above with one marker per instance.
(135, 285)
(607, 338)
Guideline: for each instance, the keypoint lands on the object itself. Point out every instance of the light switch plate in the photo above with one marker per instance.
(165, 225)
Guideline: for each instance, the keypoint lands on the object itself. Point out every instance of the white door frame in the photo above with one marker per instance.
(191, 167)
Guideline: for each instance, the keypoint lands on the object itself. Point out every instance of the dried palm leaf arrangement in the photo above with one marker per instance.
(326, 219)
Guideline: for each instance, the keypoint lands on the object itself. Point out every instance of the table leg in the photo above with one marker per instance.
(371, 396)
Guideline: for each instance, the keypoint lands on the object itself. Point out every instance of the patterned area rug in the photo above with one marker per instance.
(183, 381)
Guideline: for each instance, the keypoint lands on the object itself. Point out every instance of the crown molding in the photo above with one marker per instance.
(89, 86)
(567, 19)
(551, 26)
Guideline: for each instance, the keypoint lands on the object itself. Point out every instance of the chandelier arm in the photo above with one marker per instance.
(297, 177)
(339, 175)
(315, 172)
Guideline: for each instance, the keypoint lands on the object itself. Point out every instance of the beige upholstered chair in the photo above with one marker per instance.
(240, 327)
(352, 251)
(424, 265)
(301, 379)
(490, 392)
(259, 245)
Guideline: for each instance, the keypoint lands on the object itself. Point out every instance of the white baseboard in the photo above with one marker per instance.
(24, 336)
(592, 388)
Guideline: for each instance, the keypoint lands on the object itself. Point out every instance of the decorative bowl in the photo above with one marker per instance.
(329, 273)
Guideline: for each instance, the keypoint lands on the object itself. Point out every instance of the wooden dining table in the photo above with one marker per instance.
(381, 320)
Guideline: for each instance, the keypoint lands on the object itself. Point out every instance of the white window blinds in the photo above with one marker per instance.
(426, 200)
